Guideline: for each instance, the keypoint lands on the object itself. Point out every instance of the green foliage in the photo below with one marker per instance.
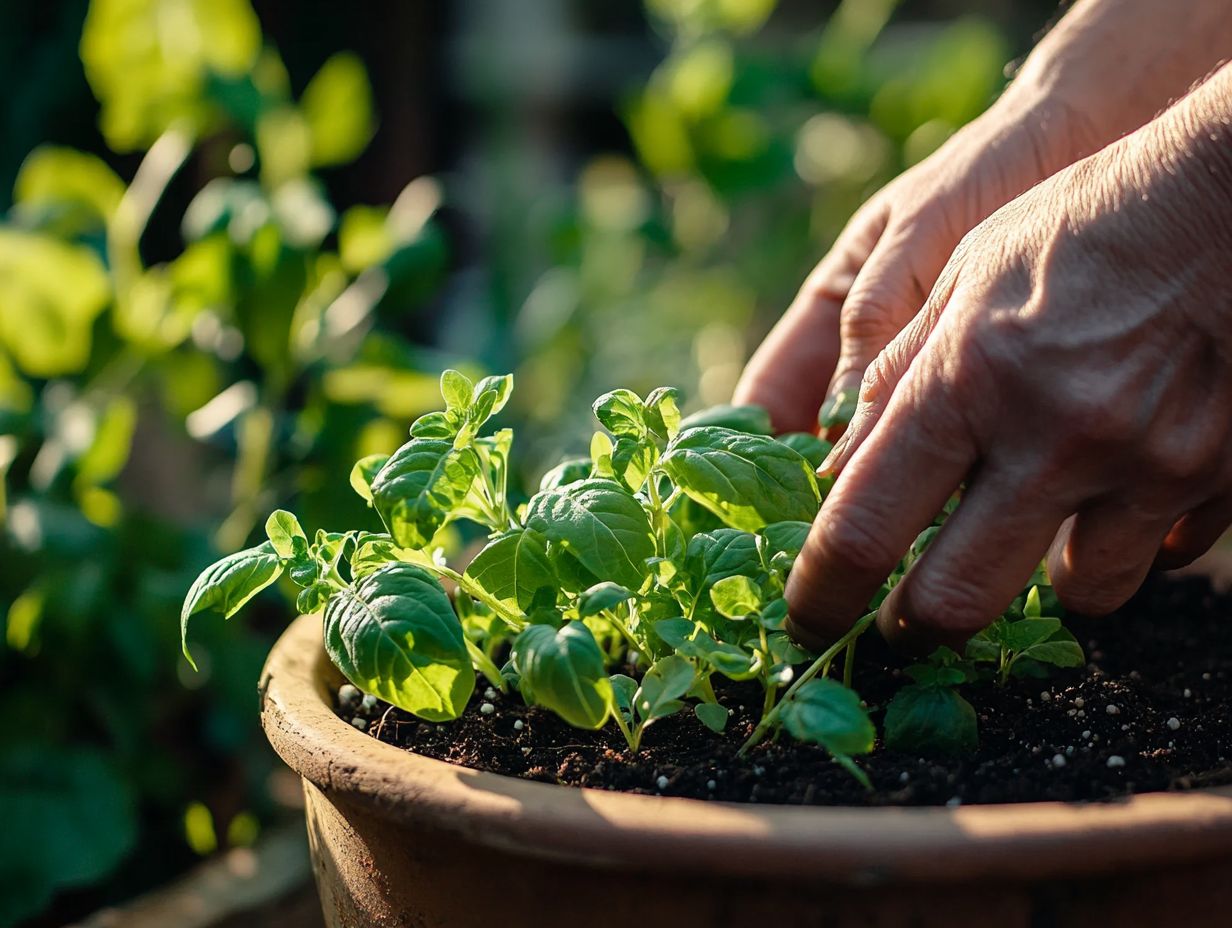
(152, 411)
(594, 574)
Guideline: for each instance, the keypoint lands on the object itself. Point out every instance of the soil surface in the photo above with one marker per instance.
(1151, 711)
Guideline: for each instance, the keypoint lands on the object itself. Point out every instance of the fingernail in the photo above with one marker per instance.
(832, 459)
(804, 637)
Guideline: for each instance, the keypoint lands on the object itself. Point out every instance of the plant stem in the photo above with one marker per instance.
(849, 663)
(822, 662)
(486, 666)
(634, 742)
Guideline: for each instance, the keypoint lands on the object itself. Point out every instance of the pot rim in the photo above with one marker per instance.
(865, 846)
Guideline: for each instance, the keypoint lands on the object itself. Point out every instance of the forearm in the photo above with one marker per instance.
(1109, 66)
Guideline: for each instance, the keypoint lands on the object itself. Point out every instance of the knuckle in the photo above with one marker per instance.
(944, 600)
(855, 538)
(1085, 594)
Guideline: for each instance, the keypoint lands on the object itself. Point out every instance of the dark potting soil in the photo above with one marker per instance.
(1151, 711)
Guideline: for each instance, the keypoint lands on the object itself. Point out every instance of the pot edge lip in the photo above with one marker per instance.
(1018, 841)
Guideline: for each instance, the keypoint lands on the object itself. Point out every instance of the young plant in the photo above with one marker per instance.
(615, 594)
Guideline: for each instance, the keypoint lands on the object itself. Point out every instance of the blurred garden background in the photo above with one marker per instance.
(241, 240)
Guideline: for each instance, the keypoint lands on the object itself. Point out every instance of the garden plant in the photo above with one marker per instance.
(619, 590)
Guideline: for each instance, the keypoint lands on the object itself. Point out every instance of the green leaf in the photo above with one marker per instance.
(499, 387)
(457, 390)
(69, 820)
(600, 524)
(229, 583)
(420, 486)
(748, 481)
(51, 292)
(736, 597)
(930, 720)
(313, 598)
(438, 425)
(372, 551)
(1060, 650)
(623, 690)
(363, 473)
(394, 634)
(786, 537)
(1031, 607)
(563, 670)
(663, 686)
(725, 552)
(808, 446)
(76, 191)
(337, 106)
(681, 636)
(621, 412)
(712, 715)
(1026, 633)
(663, 412)
(512, 568)
(827, 713)
(839, 409)
(774, 614)
(565, 473)
(632, 461)
(281, 527)
(753, 420)
(600, 597)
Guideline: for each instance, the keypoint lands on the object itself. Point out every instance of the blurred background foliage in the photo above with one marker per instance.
(223, 277)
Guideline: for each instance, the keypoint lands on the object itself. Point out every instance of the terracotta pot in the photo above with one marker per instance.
(402, 840)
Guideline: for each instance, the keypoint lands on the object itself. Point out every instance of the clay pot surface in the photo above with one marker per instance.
(403, 840)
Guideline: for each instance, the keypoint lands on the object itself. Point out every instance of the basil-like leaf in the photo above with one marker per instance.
(753, 420)
(725, 552)
(930, 720)
(229, 583)
(395, 635)
(565, 473)
(456, 390)
(364, 471)
(808, 446)
(563, 670)
(600, 524)
(621, 412)
(827, 713)
(512, 568)
(748, 481)
(420, 486)
(663, 686)
(712, 715)
(602, 596)
(736, 597)
(786, 537)
(281, 528)
(839, 410)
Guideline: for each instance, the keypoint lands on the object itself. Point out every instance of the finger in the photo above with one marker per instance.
(877, 387)
(789, 373)
(876, 510)
(980, 560)
(1195, 533)
(887, 293)
(1102, 555)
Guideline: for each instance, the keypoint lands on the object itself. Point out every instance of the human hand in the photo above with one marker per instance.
(881, 268)
(1115, 62)
(1073, 365)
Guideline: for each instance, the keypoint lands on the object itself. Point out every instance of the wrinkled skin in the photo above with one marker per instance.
(1073, 367)
(885, 262)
